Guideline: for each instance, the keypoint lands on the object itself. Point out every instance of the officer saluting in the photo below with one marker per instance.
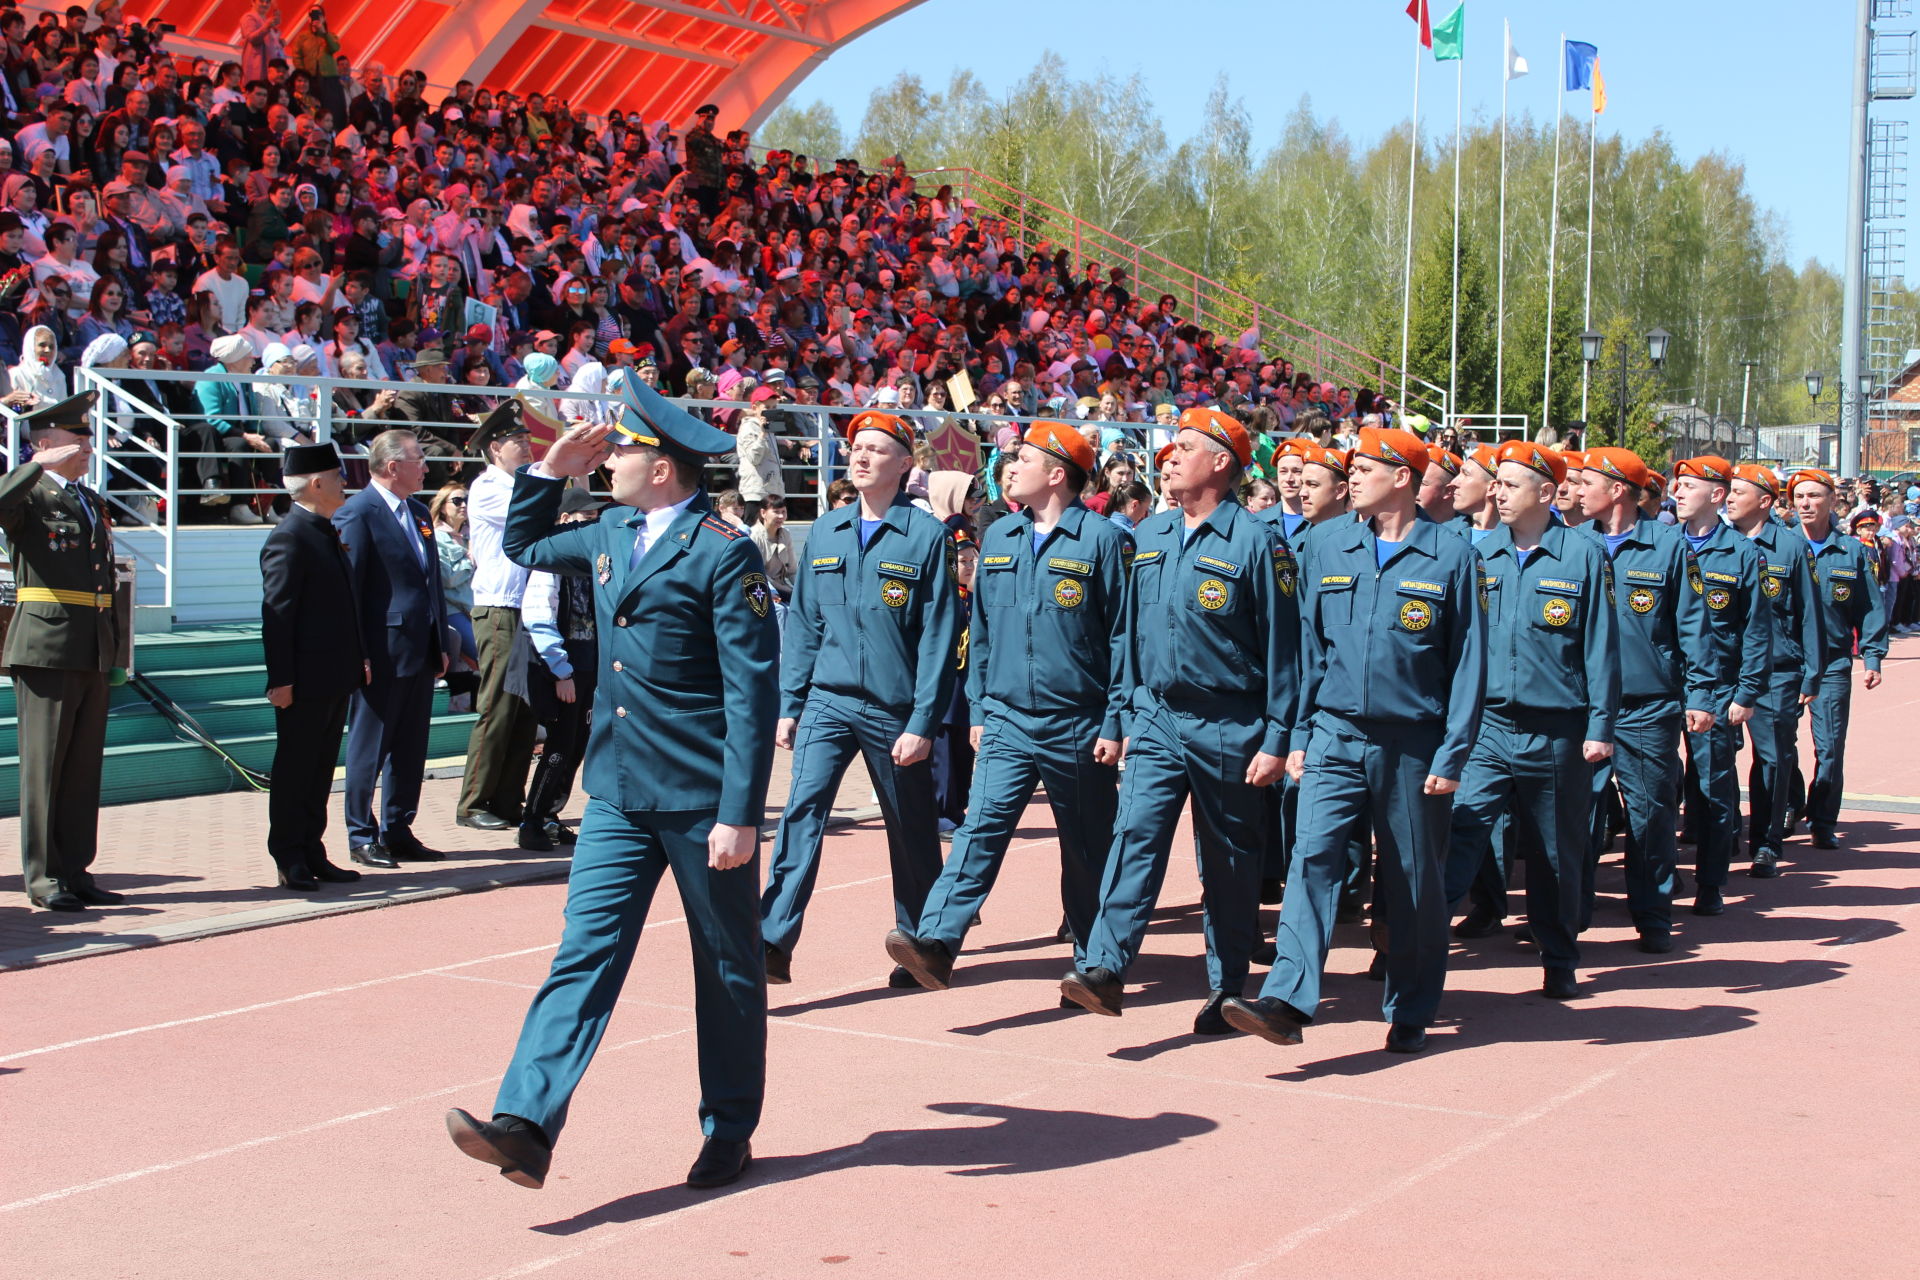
(1211, 657)
(676, 768)
(64, 639)
(1393, 673)
(1046, 685)
(310, 629)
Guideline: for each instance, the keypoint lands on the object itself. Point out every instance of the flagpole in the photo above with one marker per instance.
(1453, 362)
(1500, 290)
(1406, 280)
(1553, 232)
(1593, 125)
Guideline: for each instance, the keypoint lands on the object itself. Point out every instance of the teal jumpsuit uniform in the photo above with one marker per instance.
(1045, 680)
(1725, 573)
(1849, 608)
(1393, 675)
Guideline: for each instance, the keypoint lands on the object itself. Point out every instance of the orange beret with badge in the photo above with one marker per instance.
(1482, 457)
(1393, 447)
(1062, 442)
(1221, 429)
(1708, 467)
(1334, 460)
(1619, 464)
(1810, 475)
(1539, 459)
(886, 423)
(1761, 478)
(1572, 459)
(1445, 460)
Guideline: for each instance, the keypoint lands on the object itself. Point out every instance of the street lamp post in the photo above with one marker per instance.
(1593, 345)
(1816, 383)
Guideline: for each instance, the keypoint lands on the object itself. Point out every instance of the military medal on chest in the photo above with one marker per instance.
(603, 568)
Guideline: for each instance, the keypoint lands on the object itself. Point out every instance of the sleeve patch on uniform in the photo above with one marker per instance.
(1227, 567)
(1070, 566)
(1337, 581)
(893, 570)
(1559, 585)
(759, 597)
(1145, 557)
(996, 562)
(827, 562)
(1416, 587)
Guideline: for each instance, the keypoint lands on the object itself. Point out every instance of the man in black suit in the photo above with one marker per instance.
(310, 628)
(403, 633)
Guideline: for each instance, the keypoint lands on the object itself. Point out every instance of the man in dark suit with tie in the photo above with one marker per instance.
(403, 632)
(310, 628)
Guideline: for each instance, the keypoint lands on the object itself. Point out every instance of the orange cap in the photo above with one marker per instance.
(1063, 442)
(1222, 429)
(1656, 481)
(885, 423)
(1761, 478)
(1574, 459)
(1619, 464)
(1482, 457)
(1537, 458)
(1160, 458)
(1298, 447)
(1334, 460)
(1446, 461)
(1812, 475)
(1705, 467)
(1395, 448)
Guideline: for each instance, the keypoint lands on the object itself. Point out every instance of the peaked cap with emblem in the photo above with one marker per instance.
(649, 418)
(66, 415)
(502, 422)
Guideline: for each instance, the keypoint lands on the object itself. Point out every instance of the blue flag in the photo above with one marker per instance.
(1580, 56)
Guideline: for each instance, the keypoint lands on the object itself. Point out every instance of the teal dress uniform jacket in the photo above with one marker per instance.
(1725, 574)
(1847, 603)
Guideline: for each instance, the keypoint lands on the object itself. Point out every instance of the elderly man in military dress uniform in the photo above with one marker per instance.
(676, 771)
(61, 646)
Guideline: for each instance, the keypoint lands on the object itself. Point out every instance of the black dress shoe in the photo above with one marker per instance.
(720, 1163)
(1064, 933)
(930, 963)
(1477, 924)
(1377, 967)
(515, 1146)
(1265, 954)
(94, 896)
(372, 855)
(1209, 1022)
(1404, 1038)
(407, 848)
(327, 873)
(297, 879)
(533, 838)
(1269, 1017)
(902, 980)
(1656, 941)
(1766, 865)
(58, 900)
(1272, 889)
(779, 966)
(1708, 902)
(559, 832)
(1825, 840)
(1070, 1004)
(1560, 984)
(1096, 990)
(481, 820)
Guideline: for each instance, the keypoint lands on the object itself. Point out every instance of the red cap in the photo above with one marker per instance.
(1160, 458)
(1705, 467)
(1810, 475)
(621, 347)
(1536, 458)
(1761, 478)
(1298, 447)
(478, 333)
(1619, 464)
(1063, 442)
(886, 423)
(1395, 448)
(763, 393)
(1656, 481)
(1222, 429)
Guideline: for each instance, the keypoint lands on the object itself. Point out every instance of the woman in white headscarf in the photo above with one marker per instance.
(127, 496)
(286, 412)
(590, 379)
(37, 371)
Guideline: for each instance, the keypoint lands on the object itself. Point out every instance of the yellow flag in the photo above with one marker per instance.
(1599, 89)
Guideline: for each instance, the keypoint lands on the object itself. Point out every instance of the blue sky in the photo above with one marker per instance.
(1765, 81)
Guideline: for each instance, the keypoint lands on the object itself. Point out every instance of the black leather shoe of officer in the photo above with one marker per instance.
(1071, 1004)
(298, 880)
(559, 832)
(406, 846)
(1209, 1022)
(1269, 1017)
(1404, 1038)
(327, 873)
(1656, 942)
(1096, 990)
(1825, 840)
(372, 855)
(481, 820)
(779, 966)
(533, 838)
(515, 1146)
(1377, 967)
(1523, 934)
(1272, 889)
(1265, 954)
(720, 1162)
(1708, 902)
(930, 963)
(902, 979)
(1766, 865)
(1478, 923)
(94, 896)
(58, 900)
(1560, 984)
(1064, 933)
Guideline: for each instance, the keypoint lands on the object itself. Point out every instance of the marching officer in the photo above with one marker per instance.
(1660, 629)
(1475, 516)
(1046, 685)
(310, 629)
(676, 771)
(1850, 612)
(1393, 674)
(1436, 485)
(1725, 573)
(1211, 658)
(868, 667)
(64, 641)
(1553, 685)
(1786, 584)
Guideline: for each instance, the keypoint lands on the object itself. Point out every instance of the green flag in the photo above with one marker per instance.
(1450, 36)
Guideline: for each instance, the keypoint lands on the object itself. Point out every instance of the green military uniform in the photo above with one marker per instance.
(64, 639)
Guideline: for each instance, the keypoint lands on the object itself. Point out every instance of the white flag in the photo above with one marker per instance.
(1516, 65)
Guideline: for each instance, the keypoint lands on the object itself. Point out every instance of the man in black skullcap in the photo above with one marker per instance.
(310, 628)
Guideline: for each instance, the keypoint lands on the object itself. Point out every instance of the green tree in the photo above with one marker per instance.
(1626, 344)
(812, 130)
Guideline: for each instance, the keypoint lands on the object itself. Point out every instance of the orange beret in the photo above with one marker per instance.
(1221, 429)
(1536, 458)
(1395, 448)
(1656, 481)
(1063, 442)
(1813, 475)
(1448, 462)
(1572, 459)
(1160, 458)
(1619, 464)
(1334, 460)
(1761, 478)
(885, 423)
(1298, 447)
(1482, 457)
(1705, 467)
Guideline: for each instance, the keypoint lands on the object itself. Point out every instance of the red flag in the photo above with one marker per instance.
(1420, 13)
(543, 431)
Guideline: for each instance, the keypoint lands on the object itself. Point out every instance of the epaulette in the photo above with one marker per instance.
(722, 528)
